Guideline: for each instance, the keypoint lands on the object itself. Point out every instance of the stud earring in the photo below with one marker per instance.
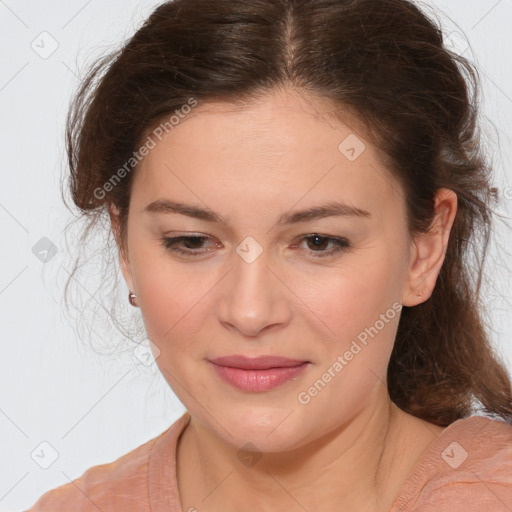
(422, 292)
(131, 299)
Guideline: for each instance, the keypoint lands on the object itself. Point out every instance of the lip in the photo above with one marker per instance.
(258, 374)
(257, 363)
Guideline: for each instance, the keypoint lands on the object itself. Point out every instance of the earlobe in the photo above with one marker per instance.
(124, 263)
(429, 250)
(125, 270)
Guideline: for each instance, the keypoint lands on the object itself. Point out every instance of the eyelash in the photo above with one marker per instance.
(170, 244)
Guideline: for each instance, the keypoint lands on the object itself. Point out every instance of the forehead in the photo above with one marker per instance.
(277, 121)
(280, 148)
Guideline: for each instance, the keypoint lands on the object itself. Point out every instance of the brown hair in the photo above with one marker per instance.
(383, 60)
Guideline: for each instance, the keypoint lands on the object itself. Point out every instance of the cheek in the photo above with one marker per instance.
(173, 301)
(172, 312)
(359, 317)
(352, 297)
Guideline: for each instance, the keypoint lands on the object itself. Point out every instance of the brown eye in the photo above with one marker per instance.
(189, 244)
(318, 244)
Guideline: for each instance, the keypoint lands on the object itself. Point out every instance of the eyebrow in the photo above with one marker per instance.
(331, 209)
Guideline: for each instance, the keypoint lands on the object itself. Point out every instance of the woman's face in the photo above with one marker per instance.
(255, 285)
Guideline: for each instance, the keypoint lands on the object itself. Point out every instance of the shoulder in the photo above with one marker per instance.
(467, 468)
(121, 483)
(480, 447)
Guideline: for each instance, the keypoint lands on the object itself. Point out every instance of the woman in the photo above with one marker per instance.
(294, 187)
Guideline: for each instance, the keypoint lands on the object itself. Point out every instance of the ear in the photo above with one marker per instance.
(429, 249)
(124, 261)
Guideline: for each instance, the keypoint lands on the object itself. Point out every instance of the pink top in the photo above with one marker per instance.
(468, 467)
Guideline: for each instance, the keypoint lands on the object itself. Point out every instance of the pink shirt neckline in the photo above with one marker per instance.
(162, 482)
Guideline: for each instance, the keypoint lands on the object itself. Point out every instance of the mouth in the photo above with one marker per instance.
(257, 374)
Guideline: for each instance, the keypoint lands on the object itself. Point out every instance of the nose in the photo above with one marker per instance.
(253, 299)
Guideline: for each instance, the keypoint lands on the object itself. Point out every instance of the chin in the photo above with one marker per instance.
(269, 430)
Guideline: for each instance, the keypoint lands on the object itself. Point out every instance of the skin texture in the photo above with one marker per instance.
(349, 447)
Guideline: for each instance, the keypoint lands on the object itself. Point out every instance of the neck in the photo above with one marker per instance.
(361, 465)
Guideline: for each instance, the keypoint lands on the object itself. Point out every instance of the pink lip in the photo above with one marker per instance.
(257, 374)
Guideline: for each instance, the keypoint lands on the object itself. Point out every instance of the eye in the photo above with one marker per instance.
(320, 241)
(191, 243)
